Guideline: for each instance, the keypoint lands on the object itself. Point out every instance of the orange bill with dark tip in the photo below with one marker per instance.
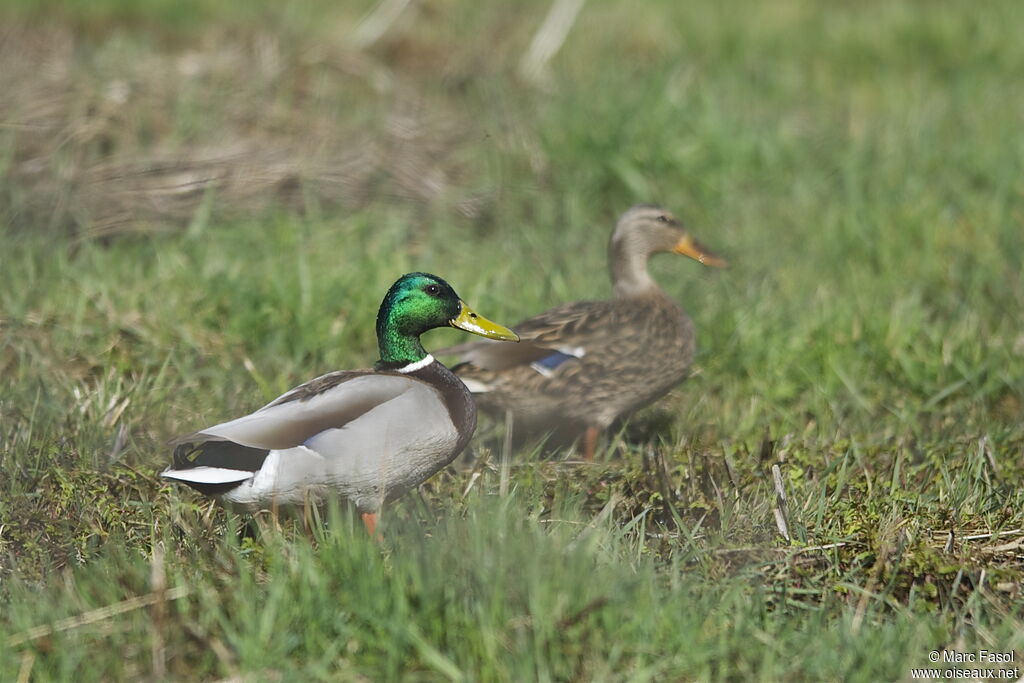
(687, 246)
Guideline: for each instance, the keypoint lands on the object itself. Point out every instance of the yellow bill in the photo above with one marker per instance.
(470, 321)
(687, 246)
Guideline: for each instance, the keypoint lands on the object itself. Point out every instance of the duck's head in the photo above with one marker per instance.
(418, 302)
(645, 230)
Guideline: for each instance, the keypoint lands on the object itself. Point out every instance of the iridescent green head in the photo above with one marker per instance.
(418, 302)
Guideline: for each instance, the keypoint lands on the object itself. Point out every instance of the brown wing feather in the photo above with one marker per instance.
(631, 352)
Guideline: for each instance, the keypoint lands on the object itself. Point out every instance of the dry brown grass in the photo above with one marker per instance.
(107, 137)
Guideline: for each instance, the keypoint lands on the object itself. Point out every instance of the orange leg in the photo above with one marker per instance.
(590, 437)
(273, 514)
(370, 522)
(307, 518)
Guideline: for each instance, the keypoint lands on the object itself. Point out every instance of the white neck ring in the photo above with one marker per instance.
(418, 365)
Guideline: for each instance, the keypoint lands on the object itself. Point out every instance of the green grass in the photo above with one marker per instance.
(860, 167)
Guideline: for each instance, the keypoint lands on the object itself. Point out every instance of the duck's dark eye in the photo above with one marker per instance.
(432, 290)
(663, 219)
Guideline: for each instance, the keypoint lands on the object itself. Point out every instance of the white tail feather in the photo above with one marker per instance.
(208, 475)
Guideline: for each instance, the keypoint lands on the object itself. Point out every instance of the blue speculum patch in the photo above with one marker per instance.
(554, 360)
(546, 365)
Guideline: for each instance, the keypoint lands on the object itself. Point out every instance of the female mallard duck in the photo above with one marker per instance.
(583, 364)
(368, 435)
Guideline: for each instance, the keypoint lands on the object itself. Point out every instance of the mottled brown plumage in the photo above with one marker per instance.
(581, 365)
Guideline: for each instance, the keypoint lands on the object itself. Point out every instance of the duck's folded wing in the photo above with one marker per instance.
(331, 401)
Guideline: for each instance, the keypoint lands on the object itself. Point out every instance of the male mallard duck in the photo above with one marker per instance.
(368, 435)
(583, 364)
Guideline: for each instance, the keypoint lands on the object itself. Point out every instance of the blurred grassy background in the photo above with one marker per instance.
(203, 204)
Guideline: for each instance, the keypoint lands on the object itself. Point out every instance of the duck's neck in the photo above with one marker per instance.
(398, 347)
(398, 350)
(629, 270)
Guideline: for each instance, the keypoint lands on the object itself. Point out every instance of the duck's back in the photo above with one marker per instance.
(586, 362)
